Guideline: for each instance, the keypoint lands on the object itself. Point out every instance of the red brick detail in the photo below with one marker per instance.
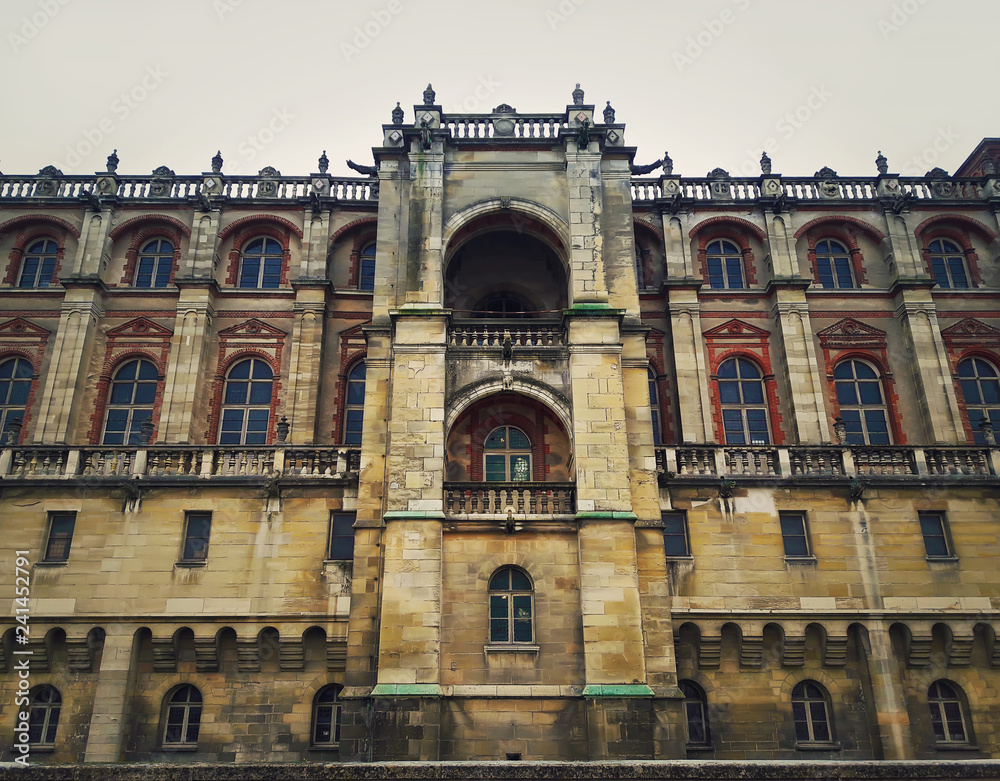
(739, 339)
(353, 348)
(20, 338)
(254, 222)
(957, 235)
(957, 219)
(256, 230)
(55, 223)
(849, 339)
(361, 240)
(736, 224)
(654, 352)
(970, 339)
(847, 237)
(724, 231)
(31, 233)
(345, 229)
(170, 224)
(646, 225)
(825, 224)
(154, 226)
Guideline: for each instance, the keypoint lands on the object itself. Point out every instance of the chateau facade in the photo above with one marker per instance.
(506, 448)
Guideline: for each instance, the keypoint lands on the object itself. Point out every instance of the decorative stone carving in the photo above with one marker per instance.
(248, 656)
(710, 652)
(429, 96)
(206, 655)
(835, 651)
(668, 164)
(919, 652)
(765, 163)
(49, 183)
(324, 163)
(642, 170)
(113, 161)
(609, 114)
(578, 96)
(291, 655)
(163, 181)
(960, 650)
(752, 652)
(217, 162)
(164, 655)
(793, 651)
(365, 170)
(881, 164)
(336, 656)
(267, 187)
(397, 115)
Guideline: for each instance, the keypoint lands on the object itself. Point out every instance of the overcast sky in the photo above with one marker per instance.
(275, 83)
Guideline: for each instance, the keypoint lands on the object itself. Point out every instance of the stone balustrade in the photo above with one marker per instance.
(502, 499)
(178, 461)
(491, 333)
(513, 126)
(827, 461)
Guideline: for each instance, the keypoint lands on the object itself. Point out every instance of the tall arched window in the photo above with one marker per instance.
(366, 267)
(326, 718)
(39, 265)
(811, 713)
(981, 392)
(725, 265)
(130, 402)
(156, 261)
(695, 714)
(15, 387)
(354, 404)
(947, 713)
(948, 264)
(43, 716)
(859, 395)
(507, 455)
(260, 264)
(654, 407)
(183, 717)
(511, 607)
(744, 411)
(246, 401)
(833, 264)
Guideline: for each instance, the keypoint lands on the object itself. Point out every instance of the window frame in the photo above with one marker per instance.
(727, 260)
(189, 541)
(940, 717)
(508, 453)
(985, 409)
(354, 412)
(655, 412)
(743, 407)
(695, 695)
(829, 256)
(675, 527)
(52, 538)
(943, 533)
(266, 270)
(6, 409)
(157, 259)
(860, 407)
(184, 743)
(247, 407)
(333, 743)
(345, 518)
(810, 721)
(785, 519)
(48, 725)
(41, 256)
(132, 433)
(943, 255)
(366, 267)
(510, 618)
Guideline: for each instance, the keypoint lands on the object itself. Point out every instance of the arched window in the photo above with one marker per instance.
(859, 395)
(510, 607)
(130, 402)
(833, 264)
(366, 267)
(260, 264)
(39, 265)
(811, 713)
(156, 261)
(507, 455)
(654, 407)
(744, 412)
(246, 401)
(354, 405)
(43, 716)
(326, 717)
(725, 265)
(947, 713)
(15, 387)
(948, 264)
(981, 392)
(183, 717)
(695, 714)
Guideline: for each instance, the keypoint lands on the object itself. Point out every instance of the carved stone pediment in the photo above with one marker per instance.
(252, 329)
(851, 332)
(737, 329)
(19, 327)
(971, 331)
(142, 328)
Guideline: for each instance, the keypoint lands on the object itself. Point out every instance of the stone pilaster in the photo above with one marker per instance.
(784, 264)
(797, 349)
(690, 368)
(187, 365)
(315, 245)
(905, 256)
(111, 698)
(305, 371)
(586, 256)
(891, 716)
(424, 266)
(201, 260)
(91, 257)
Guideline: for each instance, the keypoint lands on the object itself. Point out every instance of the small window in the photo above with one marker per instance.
(947, 714)
(695, 715)
(833, 264)
(811, 713)
(341, 536)
(980, 391)
(130, 403)
(43, 716)
(16, 375)
(795, 535)
(507, 456)
(354, 405)
(183, 718)
(948, 265)
(675, 538)
(246, 400)
(510, 607)
(39, 266)
(260, 264)
(725, 266)
(366, 268)
(859, 395)
(935, 531)
(326, 718)
(60, 536)
(197, 530)
(744, 412)
(654, 407)
(156, 261)
(641, 259)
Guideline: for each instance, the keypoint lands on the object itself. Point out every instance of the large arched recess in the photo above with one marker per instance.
(513, 254)
(551, 447)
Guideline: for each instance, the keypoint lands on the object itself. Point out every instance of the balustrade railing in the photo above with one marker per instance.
(513, 126)
(523, 333)
(502, 499)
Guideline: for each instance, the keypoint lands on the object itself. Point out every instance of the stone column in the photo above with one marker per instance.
(891, 717)
(586, 260)
(201, 261)
(305, 374)
(797, 350)
(315, 246)
(690, 368)
(111, 697)
(187, 365)
(59, 411)
(91, 253)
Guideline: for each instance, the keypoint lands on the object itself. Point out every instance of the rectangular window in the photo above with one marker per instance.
(675, 538)
(197, 528)
(60, 536)
(341, 536)
(934, 528)
(795, 535)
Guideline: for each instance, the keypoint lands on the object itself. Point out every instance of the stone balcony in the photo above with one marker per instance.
(499, 501)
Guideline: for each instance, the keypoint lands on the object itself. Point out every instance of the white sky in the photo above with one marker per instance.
(275, 83)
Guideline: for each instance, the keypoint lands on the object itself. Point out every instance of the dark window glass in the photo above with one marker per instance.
(39, 265)
(508, 455)
(130, 403)
(511, 607)
(794, 534)
(366, 268)
(725, 266)
(695, 713)
(326, 717)
(654, 408)
(156, 261)
(354, 407)
(859, 394)
(744, 414)
(934, 530)
(60, 536)
(833, 262)
(948, 265)
(675, 539)
(246, 399)
(342, 536)
(947, 713)
(809, 709)
(196, 533)
(16, 375)
(183, 717)
(981, 392)
(260, 265)
(43, 716)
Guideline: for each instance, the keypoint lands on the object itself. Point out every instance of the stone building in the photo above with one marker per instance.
(506, 448)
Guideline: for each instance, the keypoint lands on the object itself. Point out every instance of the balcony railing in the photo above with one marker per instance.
(503, 499)
(184, 461)
(827, 461)
(492, 333)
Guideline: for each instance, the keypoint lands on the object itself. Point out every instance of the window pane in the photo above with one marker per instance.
(753, 393)
(260, 393)
(236, 393)
(519, 581)
(518, 439)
